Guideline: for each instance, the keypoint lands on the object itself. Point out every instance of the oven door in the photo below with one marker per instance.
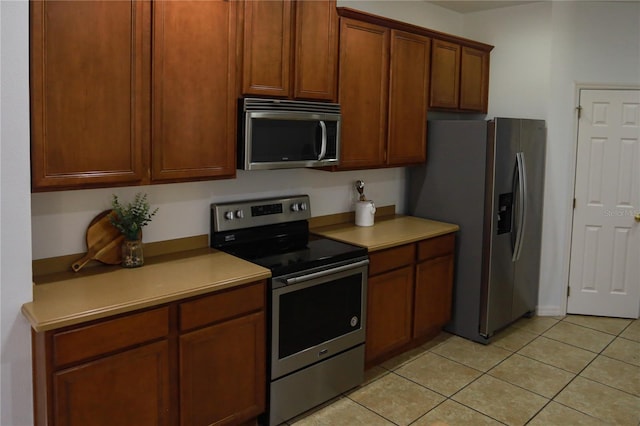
(317, 315)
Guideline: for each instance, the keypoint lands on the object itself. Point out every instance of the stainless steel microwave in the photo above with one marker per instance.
(279, 134)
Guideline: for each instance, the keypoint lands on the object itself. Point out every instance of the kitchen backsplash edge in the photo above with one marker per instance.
(58, 264)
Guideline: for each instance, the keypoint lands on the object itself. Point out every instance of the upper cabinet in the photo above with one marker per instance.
(136, 92)
(290, 49)
(474, 79)
(459, 77)
(363, 93)
(268, 28)
(383, 89)
(103, 113)
(316, 50)
(408, 91)
(194, 90)
(89, 93)
(445, 75)
(390, 72)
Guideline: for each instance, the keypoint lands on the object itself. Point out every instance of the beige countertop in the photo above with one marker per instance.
(71, 298)
(84, 296)
(386, 232)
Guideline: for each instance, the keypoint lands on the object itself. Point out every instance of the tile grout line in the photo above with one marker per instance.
(486, 373)
(576, 375)
(482, 374)
(371, 410)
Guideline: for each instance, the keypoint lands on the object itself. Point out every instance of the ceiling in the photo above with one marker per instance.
(461, 6)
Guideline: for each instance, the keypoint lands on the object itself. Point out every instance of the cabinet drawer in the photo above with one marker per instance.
(437, 246)
(221, 306)
(392, 258)
(108, 336)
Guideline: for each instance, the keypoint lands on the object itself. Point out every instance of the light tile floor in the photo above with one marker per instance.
(543, 371)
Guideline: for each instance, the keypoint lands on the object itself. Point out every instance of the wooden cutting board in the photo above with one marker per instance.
(103, 242)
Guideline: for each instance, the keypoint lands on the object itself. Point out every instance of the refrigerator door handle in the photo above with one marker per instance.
(522, 208)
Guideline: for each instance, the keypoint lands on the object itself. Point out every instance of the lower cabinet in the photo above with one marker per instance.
(131, 387)
(389, 312)
(434, 281)
(409, 296)
(194, 362)
(214, 361)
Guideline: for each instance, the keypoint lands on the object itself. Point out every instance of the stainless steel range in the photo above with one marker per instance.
(317, 300)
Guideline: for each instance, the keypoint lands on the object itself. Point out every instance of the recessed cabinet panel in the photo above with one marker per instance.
(109, 336)
(89, 93)
(223, 372)
(392, 258)
(130, 388)
(363, 80)
(194, 89)
(434, 280)
(445, 75)
(267, 47)
(474, 79)
(316, 50)
(408, 92)
(389, 310)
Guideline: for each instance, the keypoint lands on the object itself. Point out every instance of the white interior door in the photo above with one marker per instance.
(604, 273)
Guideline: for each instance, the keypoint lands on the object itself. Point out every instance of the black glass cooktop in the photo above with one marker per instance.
(284, 248)
(316, 253)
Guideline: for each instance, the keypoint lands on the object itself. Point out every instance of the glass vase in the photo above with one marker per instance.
(132, 255)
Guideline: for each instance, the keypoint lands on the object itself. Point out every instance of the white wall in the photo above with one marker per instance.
(414, 12)
(15, 238)
(60, 219)
(543, 51)
(520, 59)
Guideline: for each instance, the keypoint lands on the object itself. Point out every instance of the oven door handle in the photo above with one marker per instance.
(319, 274)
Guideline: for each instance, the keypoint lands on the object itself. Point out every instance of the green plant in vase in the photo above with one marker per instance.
(130, 219)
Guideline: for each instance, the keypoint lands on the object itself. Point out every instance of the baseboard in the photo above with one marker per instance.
(550, 311)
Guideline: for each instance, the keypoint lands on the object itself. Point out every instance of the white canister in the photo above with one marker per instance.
(365, 213)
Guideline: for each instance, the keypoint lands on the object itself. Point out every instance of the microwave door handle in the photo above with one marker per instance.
(323, 148)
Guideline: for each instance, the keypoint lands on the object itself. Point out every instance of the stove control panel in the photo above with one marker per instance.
(231, 215)
(299, 207)
(269, 211)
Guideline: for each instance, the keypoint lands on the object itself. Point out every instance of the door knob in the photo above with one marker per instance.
(637, 217)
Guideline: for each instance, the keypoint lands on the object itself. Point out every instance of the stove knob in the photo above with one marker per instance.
(295, 207)
(239, 214)
(229, 215)
(303, 206)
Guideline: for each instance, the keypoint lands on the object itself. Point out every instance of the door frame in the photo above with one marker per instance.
(574, 168)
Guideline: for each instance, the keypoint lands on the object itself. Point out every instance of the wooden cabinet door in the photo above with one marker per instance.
(389, 311)
(433, 292)
(408, 91)
(89, 93)
(223, 373)
(267, 48)
(316, 50)
(194, 98)
(474, 79)
(445, 75)
(363, 93)
(130, 388)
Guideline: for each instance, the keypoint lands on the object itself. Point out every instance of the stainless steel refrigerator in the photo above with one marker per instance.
(487, 177)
